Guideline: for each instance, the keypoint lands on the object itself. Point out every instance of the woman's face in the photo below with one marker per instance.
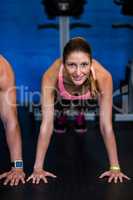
(78, 66)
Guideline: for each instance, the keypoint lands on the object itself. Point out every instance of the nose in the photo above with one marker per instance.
(78, 71)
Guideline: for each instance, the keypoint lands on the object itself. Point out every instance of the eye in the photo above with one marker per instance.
(84, 64)
(72, 65)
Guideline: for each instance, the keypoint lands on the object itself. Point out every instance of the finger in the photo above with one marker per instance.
(16, 182)
(126, 177)
(44, 179)
(29, 178)
(22, 180)
(3, 175)
(7, 180)
(115, 179)
(110, 179)
(104, 174)
(12, 182)
(120, 178)
(37, 180)
(34, 180)
(51, 175)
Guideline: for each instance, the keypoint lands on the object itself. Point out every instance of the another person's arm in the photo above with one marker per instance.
(8, 115)
(105, 103)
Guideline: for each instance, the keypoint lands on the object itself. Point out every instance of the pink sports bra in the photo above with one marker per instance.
(66, 95)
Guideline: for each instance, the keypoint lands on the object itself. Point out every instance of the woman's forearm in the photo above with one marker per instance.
(42, 146)
(110, 143)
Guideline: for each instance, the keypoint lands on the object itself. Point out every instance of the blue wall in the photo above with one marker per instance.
(31, 51)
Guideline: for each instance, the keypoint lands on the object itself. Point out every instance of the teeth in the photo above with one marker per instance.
(78, 79)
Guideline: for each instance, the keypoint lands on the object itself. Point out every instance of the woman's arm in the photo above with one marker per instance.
(105, 103)
(46, 129)
(47, 100)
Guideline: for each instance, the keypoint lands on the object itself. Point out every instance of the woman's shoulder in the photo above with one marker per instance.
(100, 71)
(50, 76)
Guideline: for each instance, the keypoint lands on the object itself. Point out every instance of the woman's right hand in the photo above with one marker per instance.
(40, 174)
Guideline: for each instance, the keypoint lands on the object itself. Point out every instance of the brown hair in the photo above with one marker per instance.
(80, 44)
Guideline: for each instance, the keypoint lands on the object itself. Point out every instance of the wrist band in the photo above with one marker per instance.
(115, 168)
(18, 164)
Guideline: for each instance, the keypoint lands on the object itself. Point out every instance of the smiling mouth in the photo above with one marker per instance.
(78, 78)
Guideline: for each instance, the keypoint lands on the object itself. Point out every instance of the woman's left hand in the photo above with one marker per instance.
(115, 176)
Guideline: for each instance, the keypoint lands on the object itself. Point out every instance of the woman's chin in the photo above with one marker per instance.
(78, 83)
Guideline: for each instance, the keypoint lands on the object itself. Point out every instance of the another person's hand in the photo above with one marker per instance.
(114, 176)
(13, 177)
(38, 175)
